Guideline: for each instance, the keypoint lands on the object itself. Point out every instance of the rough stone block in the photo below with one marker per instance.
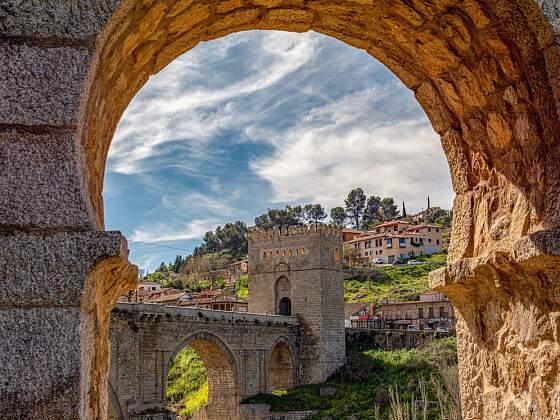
(40, 366)
(77, 20)
(41, 85)
(51, 270)
(40, 183)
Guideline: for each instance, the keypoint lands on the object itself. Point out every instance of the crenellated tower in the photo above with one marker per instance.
(298, 271)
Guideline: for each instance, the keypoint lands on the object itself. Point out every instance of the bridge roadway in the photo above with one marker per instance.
(244, 354)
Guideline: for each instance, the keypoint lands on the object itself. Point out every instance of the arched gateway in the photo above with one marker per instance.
(486, 72)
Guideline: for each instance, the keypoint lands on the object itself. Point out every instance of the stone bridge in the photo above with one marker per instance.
(243, 353)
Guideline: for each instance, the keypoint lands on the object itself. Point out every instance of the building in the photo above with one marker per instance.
(148, 286)
(361, 315)
(221, 300)
(396, 240)
(231, 273)
(349, 234)
(433, 310)
(298, 271)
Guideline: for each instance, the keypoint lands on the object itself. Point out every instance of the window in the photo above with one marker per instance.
(402, 242)
(277, 254)
(429, 240)
(290, 252)
(437, 241)
(437, 230)
(264, 255)
(389, 243)
(430, 312)
(302, 251)
(429, 229)
(396, 228)
(441, 312)
(283, 252)
(377, 230)
(420, 313)
(367, 244)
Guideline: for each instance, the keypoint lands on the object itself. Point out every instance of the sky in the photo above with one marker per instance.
(258, 120)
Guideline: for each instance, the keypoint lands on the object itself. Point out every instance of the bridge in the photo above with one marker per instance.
(294, 271)
(244, 354)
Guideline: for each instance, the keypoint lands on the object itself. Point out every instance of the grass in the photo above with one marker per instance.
(363, 385)
(394, 282)
(187, 383)
(242, 287)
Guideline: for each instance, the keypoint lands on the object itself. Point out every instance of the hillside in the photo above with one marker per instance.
(393, 282)
(363, 386)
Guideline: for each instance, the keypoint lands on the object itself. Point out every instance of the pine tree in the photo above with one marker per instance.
(338, 216)
(403, 210)
(355, 204)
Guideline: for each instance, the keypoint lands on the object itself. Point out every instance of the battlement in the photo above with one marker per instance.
(256, 234)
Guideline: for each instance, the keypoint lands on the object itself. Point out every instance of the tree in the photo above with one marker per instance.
(355, 204)
(178, 264)
(338, 216)
(388, 209)
(280, 218)
(371, 212)
(403, 210)
(314, 213)
(263, 222)
(439, 216)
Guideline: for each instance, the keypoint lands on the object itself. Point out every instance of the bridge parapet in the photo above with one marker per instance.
(198, 313)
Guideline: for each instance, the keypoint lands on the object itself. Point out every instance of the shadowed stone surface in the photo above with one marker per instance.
(486, 72)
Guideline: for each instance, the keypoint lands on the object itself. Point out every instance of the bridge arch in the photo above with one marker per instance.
(115, 410)
(221, 365)
(282, 365)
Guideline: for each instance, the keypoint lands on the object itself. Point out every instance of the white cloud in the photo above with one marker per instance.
(167, 111)
(196, 202)
(341, 145)
(162, 232)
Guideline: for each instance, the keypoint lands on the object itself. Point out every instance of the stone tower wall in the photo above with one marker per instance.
(309, 257)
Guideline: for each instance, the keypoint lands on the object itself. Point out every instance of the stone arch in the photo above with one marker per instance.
(486, 73)
(221, 365)
(115, 410)
(282, 365)
(282, 290)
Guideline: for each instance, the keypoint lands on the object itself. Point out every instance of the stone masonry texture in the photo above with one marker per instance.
(487, 74)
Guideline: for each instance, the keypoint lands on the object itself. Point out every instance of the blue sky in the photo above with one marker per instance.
(262, 119)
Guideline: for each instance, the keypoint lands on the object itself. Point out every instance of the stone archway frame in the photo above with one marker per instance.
(486, 72)
(197, 342)
(285, 341)
(115, 404)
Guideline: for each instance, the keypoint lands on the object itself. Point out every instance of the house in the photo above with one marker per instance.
(231, 273)
(396, 240)
(433, 310)
(361, 315)
(222, 300)
(349, 234)
(148, 286)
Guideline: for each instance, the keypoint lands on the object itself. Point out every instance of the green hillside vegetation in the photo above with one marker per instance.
(364, 384)
(242, 287)
(187, 383)
(393, 282)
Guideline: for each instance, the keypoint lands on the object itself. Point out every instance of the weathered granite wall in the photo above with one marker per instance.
(390, 339)
(262, 412)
